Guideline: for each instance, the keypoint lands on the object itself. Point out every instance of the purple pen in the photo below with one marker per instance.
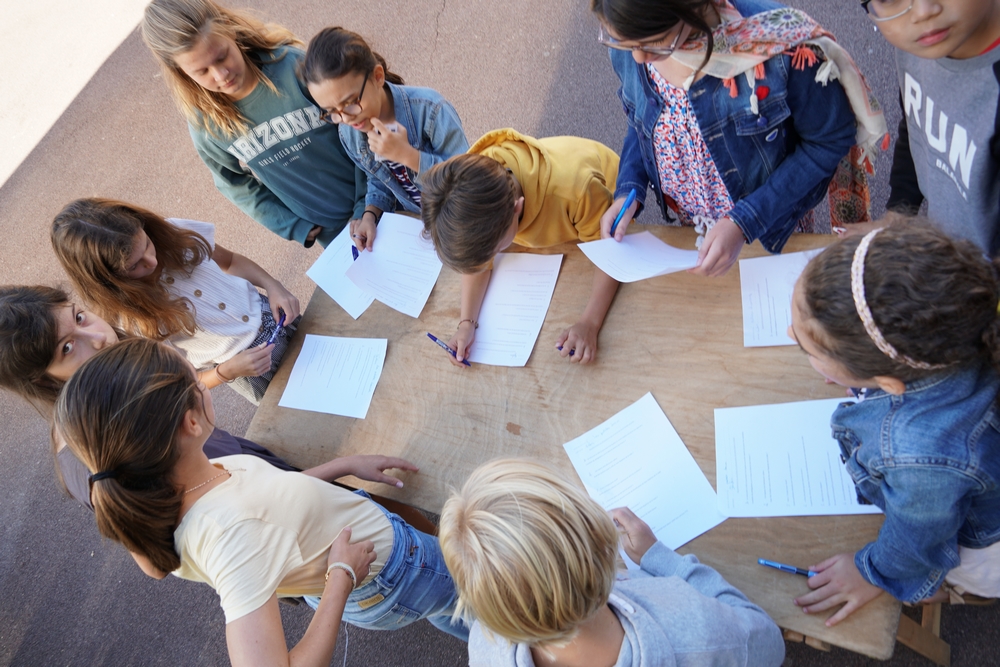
(450, 351)
(354, 252)
(274, 336)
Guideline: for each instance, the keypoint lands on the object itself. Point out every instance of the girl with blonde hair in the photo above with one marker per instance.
(252, 120)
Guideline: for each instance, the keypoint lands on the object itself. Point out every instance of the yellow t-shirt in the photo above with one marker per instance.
(266, 531)
(568, 184)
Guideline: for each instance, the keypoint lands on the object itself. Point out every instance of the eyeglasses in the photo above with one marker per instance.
(607, 40)
(886, 10)
(335, 116)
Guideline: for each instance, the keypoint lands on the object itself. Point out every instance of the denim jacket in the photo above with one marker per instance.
(776, 165)
(432, 126)
(930, 458)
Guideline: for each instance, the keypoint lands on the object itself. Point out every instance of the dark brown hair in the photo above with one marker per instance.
(642, 19)
(336, 52)
(933, 298)
(93, 239)
(29, 333)
(467, 206)
(120, 413)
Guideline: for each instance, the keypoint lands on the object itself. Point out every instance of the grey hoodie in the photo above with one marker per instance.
(675, 612)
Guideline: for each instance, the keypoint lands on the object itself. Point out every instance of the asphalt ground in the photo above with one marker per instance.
(67, 597)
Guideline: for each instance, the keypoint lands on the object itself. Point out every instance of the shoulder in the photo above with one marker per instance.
(283, 57)
(204, 229)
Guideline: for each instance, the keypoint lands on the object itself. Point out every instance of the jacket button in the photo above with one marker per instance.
(246, 318)
(169, 280)
(222, 306)
(197, 292)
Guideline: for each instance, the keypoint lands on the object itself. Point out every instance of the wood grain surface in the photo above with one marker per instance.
(679, 336)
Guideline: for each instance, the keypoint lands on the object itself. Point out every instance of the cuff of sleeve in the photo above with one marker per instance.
(746, 219)
(427, 160)
(380, 201)
(622, 190)
(661, 560)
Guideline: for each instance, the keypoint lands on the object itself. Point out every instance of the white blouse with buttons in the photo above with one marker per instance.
(227, 308)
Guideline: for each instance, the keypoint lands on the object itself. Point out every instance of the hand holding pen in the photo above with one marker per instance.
(277, 330)
(444, 346)
(612, 222)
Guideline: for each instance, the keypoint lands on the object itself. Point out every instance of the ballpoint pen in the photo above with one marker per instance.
(791, 569)
(621, 213)
(448, 349)
(274, 336)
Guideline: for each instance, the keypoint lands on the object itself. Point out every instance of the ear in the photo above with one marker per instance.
(519, 206)
(191, 423)
(890, 385)
(378, 74)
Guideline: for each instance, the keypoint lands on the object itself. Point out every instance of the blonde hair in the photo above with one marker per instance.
(467, 207)
(93, 239)
(532, 555)
(172, 27)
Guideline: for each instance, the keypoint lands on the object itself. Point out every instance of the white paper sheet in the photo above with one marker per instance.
(637, 460)
(335, 375)
(781, 460)
(767, 284)
(514, 308)
(402, 267)
(328, 272)
(637, 257)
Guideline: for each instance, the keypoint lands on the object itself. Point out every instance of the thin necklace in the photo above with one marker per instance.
(210, 479)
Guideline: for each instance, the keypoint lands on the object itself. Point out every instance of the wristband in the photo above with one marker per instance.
(475, 324)
(221, 376)
(346, 568)
(373, 215)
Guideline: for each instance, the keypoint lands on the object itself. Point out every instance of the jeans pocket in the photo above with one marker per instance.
(395, 617)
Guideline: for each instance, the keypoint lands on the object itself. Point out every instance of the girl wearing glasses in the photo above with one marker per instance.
(739, 114)
(948, 64)
(251, 118)
(393, 132)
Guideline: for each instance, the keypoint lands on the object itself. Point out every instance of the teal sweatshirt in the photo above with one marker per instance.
(298, 174)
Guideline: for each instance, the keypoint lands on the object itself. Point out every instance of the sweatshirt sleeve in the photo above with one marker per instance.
(904, 189)
(243, 189)
(596, 199)
(765, 645)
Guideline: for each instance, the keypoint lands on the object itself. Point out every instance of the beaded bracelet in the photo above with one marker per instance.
(346, 568)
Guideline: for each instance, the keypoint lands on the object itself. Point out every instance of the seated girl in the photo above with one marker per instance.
(137, 416)
(534, 558)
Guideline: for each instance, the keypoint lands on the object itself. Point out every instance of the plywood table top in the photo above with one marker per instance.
(679, 336)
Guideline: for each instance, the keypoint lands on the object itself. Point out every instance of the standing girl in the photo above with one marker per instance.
(739, 113)
(909, 318)
(393, 132)
(251, 118)
(168, 279)
(137, 416)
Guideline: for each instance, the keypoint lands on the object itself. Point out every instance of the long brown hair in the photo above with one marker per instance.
(642, 19)
(932, 297)
(172, 27)
(93, 239)
(119, 414)
(334, 52)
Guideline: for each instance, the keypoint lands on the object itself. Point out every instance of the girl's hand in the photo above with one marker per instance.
(371, 466)
(720, 250)
(579, 342)
(461, 342)
(837, 581)
(248, 363)
(392, 144)
(608, 219)
(363, 231)
(282, 299)
(637, 536)
(359, 555)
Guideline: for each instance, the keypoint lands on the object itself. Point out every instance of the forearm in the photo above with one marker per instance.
(473, 292)
(331, 470)
(316, 647)
(601, 295)
(249, 270)
(211, 377)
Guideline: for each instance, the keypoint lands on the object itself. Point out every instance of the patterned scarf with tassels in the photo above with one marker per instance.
(742, 45)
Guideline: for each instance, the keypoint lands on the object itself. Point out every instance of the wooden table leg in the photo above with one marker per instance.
(922, 638)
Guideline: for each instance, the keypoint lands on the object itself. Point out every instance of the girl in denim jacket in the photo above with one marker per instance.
(393, 132)
(739, 114)
(908, 317)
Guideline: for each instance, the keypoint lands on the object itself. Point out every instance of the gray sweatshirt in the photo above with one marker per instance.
(948, 150)
(675, 612)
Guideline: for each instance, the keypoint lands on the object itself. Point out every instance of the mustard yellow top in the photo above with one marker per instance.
(568, 184)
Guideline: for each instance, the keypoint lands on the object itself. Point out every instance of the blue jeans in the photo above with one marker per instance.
(413, 584)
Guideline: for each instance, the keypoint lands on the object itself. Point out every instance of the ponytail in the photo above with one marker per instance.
(119, 414)
(335, 52)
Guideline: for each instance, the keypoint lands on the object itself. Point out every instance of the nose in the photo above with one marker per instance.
(642, 57)
(97, 339)
(221, 74)
(924, 9)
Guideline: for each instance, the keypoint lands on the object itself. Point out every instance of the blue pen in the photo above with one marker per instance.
(621, 214)
(790, 569)
(354, 252)
(274, 336)
(445, 347)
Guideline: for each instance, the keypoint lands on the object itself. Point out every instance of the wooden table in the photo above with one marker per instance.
(679, 336)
